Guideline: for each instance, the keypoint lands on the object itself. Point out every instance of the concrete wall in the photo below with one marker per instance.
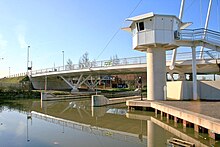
(182, 90)
(209, 90)
(52, 83)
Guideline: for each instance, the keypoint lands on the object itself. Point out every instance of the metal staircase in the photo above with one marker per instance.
(198, 37)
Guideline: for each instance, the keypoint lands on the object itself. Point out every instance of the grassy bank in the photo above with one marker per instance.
(16, 88)
(19, 94)
(14, 80)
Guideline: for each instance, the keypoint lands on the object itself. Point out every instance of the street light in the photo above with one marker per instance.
(63, 59)
(140, 86)
(9, 68)
(28, 58)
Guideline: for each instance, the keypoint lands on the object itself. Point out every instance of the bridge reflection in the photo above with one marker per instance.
(114, 122)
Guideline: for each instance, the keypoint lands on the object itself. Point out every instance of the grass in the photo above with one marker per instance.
(14, 80)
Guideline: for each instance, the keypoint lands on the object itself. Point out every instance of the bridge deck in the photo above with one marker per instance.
(134, 65)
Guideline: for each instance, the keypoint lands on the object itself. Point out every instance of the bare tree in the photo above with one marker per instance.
(84, 61)
(115, 60)
(69, 64)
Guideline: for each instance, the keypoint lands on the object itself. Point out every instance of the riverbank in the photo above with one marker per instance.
(19, 94)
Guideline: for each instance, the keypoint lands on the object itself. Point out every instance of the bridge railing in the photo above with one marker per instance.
(95, 64)
(209, 54)
(198, 34)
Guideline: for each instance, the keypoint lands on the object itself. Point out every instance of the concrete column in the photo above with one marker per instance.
(184, 125)
(168, 118)
(45, 83)
(175, 121)
(150, 134)
(196, 128)
(161, 115)
(194, 73)
(156, 73)
(155, 112)
(211, 134)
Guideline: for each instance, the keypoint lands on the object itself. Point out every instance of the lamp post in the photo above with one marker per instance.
(9, 68)
(63, 59)
(140, 86)
(28, 58)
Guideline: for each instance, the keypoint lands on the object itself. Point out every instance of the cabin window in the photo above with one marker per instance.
(140, 26)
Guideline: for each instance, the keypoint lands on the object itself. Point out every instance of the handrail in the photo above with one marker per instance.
(122, 62)
(199, 34)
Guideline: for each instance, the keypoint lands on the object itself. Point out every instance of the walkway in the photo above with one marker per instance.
(204, 114)
(208, 64)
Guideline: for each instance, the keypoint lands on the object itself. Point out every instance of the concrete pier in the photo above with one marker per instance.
(101, 100)
(156, 73)
(204, 117)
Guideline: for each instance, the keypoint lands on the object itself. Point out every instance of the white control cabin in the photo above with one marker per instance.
(154, 30)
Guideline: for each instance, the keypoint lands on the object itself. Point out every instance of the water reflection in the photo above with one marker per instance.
(76, 123)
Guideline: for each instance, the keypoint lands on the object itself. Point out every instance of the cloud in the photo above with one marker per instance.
(21, 31)
(3, 43)
(21, 40)
(21, 128)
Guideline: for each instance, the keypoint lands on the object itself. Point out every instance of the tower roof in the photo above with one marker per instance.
(148, 15)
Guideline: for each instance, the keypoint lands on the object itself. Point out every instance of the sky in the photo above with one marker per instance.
(78, 26)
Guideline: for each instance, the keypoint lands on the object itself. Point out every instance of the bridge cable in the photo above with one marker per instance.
(117, 31)
(201, 13)
(189, 5)
(218, 17)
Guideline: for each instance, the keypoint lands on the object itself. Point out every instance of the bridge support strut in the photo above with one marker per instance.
(82, 80)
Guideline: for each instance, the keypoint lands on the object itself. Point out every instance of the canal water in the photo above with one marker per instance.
(74, 123)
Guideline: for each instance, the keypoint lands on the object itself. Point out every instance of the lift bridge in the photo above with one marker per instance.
(62, 77)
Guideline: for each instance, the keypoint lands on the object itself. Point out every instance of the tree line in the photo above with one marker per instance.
(85, 62)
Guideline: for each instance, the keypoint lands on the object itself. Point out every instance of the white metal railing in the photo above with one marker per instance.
(198, 34)
(122, 62)
(95, 64)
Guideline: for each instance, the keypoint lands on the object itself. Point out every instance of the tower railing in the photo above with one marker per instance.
(198, 34)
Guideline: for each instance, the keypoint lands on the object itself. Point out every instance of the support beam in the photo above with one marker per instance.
(85, 79)
(194, 73)
(80, 78)
(67, 82)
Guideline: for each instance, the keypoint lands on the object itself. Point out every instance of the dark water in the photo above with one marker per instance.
(76, 124)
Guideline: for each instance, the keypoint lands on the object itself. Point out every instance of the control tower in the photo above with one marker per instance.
(154, 34)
